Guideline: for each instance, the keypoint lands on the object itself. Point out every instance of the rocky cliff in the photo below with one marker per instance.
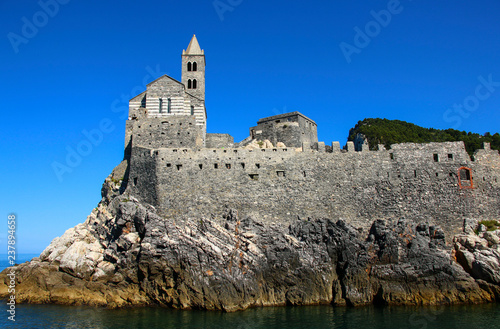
(126, 254)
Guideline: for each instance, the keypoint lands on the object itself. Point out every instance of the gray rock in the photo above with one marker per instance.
(126, 254)
(492, 238)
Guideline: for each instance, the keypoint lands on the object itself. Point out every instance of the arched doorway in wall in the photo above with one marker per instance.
(465, 178)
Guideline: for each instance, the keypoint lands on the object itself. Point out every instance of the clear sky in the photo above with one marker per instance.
(70, 66)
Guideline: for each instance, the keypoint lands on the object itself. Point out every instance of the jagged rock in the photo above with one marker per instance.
(257, 144)
(492, 238)
(470, 225)
(125, 254)
(479, 256)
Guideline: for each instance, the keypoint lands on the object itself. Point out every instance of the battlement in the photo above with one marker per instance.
(282, 173)
(279, 184)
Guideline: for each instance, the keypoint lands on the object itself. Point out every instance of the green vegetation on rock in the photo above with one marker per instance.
(491, 225)
(387, 132)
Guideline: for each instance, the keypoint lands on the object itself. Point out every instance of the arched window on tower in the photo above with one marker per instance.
(189, 66)
(192, 110)
(195, 66)
(189, 84)
(169, 106)
(194, 83)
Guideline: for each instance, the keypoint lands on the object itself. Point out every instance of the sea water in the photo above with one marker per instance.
(310, 317)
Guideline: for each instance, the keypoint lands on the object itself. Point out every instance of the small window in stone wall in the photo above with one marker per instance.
(228, 165)
(195, 66)
(280, 173)
(169, 165)
(189, 84)
(243, 165)
(201, 166)
(135, 181)
(194, 83)
(450, 156)
(436, 157)
(391, 155)
(179, 166)
(216, 166)
(254, 176)
(257, 165)
(189, 66)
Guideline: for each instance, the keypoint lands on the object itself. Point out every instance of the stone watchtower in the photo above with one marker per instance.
(193, 69)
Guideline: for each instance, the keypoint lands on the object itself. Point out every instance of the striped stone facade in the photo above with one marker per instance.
(167, 97)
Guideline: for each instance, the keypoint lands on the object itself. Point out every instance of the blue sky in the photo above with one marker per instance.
(71, 68)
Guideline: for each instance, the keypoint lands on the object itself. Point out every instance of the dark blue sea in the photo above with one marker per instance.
(310, 317)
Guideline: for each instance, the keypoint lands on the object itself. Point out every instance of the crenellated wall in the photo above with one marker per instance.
(282, 184)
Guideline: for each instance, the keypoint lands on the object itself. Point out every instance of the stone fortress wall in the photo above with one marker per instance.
(175, 166)
(419, 181)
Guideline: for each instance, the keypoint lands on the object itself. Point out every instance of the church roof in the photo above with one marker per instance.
(193, 48)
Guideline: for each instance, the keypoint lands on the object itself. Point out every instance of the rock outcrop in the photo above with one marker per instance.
(125, 254)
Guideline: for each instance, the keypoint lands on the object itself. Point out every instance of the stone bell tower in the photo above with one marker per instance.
(193, 69)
